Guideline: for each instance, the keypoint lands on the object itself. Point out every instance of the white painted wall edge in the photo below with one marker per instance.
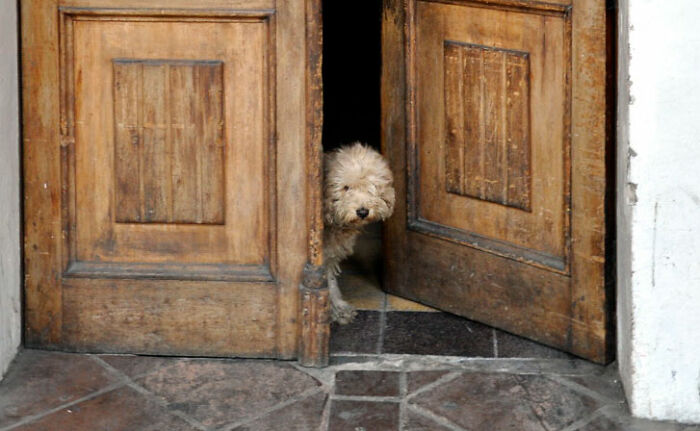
(626, 197)
(10, 278)
(659, 208)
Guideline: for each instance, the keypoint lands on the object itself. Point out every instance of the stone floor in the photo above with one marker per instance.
(399, 366)
(65, 392)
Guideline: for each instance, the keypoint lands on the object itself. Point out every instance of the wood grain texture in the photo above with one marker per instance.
(240, 167)
(589, 118)
(314, 304)
(537, 273)
(394, 133)
(500, 292)
(487, 153)
(314, 318)
(42, 173)
(169, 141)
(549, 7)
(221, 143)
(170, 318)
(487, 209)
(173, 7)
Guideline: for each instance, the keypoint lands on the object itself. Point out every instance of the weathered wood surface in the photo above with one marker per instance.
(314, 307)
(165, 161)
(155, 316)
(484, 212)
(487, 98)
(496, 111)
(169, 141)
(315, 318)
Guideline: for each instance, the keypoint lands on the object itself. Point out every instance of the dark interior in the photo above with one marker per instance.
(351, 72)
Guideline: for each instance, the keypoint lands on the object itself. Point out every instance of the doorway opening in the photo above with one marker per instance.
(351, 112)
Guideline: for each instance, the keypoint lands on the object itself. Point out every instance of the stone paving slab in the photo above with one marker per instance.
(72, 392)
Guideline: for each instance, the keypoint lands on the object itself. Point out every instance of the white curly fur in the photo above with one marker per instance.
(356, 178)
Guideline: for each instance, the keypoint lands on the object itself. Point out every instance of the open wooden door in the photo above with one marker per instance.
(494, 121)
(169, 188)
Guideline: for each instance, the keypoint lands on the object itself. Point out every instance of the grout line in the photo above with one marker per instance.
(88, 397)
(264, 412)
(326, 418)
(586, 420)
(163, 403)
(374, 399)
(444, 379)
(354, 354)
(516, 366)
(148, 394)
(324, 375)
(326, 415)
(327, 378)
(435, 417)
(382, 325)
(583, 390)
(403, 384)
(495, 343)
(403, 390)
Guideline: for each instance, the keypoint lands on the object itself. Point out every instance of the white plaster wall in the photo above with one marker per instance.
(659, 208)
(10, 323)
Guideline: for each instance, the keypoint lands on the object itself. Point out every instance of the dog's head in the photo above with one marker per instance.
(358, 186)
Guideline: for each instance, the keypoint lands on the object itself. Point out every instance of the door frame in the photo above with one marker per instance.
(314, 307)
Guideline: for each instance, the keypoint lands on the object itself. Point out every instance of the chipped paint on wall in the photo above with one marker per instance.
(10, 322)
(659, 213)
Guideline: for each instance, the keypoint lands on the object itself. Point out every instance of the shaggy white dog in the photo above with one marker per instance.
(358, 190)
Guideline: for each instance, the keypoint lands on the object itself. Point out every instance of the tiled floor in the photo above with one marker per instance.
(398, 366)
(52, 391)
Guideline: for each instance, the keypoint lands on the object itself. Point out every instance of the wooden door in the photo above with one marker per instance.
(494, 120)
(169, 188)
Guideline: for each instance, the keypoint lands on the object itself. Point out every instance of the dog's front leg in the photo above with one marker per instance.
(341, 311)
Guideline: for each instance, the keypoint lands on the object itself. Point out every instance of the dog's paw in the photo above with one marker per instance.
(342, 312)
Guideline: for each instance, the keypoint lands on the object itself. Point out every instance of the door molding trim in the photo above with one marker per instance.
(526, 6)
(172, 271)
(226, 15)
(414, 219)
(490, 245)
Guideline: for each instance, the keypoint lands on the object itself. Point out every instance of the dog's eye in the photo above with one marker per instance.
(346, 188)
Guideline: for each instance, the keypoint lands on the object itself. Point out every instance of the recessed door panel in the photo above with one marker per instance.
(492, 154)
(164, 133)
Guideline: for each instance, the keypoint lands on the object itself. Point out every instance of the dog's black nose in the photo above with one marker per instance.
(362, 212)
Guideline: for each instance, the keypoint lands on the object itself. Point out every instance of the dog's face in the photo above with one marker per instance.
(358, 187)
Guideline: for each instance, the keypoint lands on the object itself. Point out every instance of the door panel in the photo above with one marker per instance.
(485, 184)
(170, 144)
(162, 178)
(495, 110)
